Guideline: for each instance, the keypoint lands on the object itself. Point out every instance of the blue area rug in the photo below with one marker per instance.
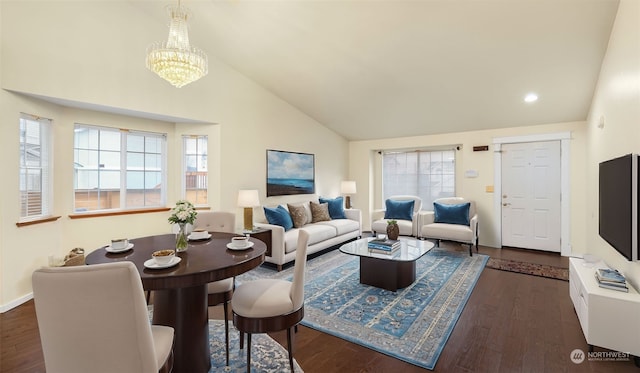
(412, 324)
(267, 355)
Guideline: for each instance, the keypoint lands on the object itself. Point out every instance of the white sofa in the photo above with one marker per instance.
(322, 234)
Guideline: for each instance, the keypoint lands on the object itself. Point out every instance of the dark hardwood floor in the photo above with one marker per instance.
(511, 323)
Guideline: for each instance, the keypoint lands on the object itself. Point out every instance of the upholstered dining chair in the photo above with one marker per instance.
(215, 221)
(219, 291)
(270, 305)
(94, 318)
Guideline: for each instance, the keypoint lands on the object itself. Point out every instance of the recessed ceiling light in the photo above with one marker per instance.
(531, 97)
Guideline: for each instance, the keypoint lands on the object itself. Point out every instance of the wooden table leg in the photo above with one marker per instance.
(186, 311)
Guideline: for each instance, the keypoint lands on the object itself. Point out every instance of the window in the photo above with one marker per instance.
(194, 168)
(35, 167)
(427, 174)
(118, 169)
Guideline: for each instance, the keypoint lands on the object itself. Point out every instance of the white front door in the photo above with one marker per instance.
(531, 195)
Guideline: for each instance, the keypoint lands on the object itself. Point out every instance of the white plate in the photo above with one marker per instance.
(199, 239)
(247, 246)
(151, 263)
(112, 250)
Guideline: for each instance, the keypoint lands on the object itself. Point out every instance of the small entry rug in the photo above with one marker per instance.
(267, 355)
(541, 270)
(412, 324)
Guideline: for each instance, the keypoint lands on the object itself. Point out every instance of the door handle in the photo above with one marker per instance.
(506, 204)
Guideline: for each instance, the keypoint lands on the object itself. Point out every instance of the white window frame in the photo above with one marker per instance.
(123, 169)
(418, 186)
(185, 166)
(43, 170)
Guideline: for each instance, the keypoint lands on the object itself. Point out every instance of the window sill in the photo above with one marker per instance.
(37, 221)
(115, 213)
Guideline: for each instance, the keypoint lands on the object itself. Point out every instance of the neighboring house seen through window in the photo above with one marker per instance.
(118, 169)
(35, 167)
(195, 176)
(427, 174)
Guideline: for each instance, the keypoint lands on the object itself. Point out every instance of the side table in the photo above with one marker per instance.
(262, 234)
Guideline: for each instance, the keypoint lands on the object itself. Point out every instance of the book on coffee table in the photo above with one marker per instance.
(384, 245)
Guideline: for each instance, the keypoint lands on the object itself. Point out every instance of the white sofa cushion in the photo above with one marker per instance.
(341, 226)
(317, 232)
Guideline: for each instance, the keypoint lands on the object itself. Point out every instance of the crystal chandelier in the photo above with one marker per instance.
(176, 61)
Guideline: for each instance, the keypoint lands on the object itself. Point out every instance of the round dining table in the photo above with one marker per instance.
(180, 291)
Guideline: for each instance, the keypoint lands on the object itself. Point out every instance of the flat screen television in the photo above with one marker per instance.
(618, 204)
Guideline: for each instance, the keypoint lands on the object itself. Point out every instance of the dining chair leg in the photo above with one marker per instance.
(241, 340)
(248, 352)
(289, 348)
(226, 328)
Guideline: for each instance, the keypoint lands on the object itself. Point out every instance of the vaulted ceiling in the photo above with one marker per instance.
(377, 69)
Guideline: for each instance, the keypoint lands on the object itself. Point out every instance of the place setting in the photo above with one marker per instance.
(239, 243)
(119, 245)
(199, 235)
(162, 259)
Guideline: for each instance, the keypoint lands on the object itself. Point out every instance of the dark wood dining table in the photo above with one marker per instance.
(180, 292)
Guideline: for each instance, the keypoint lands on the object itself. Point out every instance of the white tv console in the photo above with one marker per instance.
(609, 318)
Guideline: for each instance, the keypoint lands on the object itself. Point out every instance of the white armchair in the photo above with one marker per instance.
(452, 220)
(407, 220)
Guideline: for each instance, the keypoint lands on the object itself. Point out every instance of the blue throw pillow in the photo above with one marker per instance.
(402, 210)
(279, 216)
(336, 209)
(451, 214)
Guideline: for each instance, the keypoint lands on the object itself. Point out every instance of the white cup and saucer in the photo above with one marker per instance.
(162, 259)
(199, 234)
(119, 245)
(239, 243)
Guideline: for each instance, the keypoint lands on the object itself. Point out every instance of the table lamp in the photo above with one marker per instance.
(248, 199)
(347, 188)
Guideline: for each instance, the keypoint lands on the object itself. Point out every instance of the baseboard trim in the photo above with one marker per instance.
(15, 303)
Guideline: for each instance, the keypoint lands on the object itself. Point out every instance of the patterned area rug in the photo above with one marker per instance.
(267, 355)
(541, 270)
(412, 324)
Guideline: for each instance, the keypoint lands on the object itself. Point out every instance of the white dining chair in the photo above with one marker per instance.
(94, 318)
(269, 305)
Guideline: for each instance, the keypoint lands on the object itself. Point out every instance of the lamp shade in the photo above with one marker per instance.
(348, 187)
(248, 198)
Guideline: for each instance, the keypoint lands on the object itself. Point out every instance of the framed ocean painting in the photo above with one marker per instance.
(290, 173)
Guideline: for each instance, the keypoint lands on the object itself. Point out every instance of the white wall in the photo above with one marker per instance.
(88, 57)
(364, 169)
(617, 100)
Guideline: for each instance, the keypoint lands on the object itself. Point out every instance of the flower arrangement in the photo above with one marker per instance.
(183, 213)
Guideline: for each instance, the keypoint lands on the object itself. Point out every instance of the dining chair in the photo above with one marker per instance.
(94, 318)
(219, 291)
(269, 305)
(215, 221)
